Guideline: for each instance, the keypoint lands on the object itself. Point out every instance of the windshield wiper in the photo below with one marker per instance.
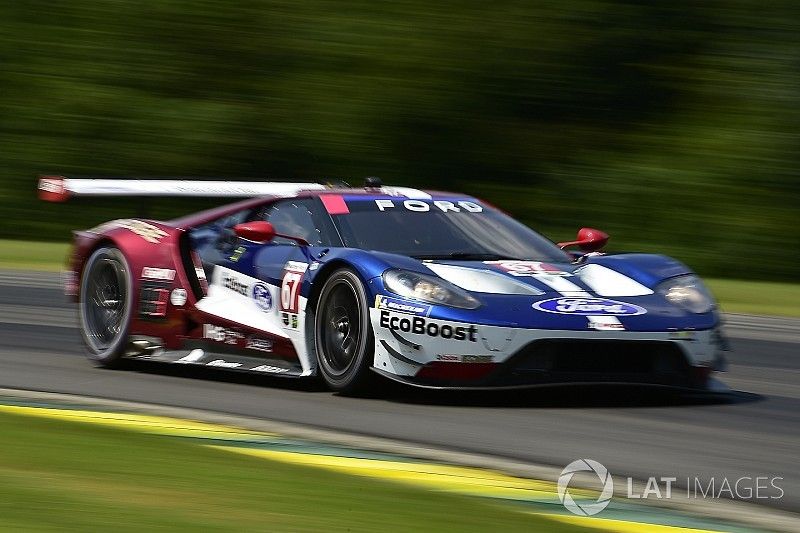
(467, 256)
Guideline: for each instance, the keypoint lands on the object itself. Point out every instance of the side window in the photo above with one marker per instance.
(215, 241)
(217, 234)
(295, 218)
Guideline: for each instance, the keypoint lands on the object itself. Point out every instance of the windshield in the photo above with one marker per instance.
(440, 229)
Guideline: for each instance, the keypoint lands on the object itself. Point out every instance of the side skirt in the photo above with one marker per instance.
(241, 363)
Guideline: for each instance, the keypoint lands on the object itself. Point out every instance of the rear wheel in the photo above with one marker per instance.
(342, 334)
(105, 305)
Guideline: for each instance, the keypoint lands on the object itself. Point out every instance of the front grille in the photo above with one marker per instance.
(598, 361)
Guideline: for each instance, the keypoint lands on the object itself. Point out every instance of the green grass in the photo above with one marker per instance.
(58, 475)
(27, 255)
(735, 296)
(757, 297)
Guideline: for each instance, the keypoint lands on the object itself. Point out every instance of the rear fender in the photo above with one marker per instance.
(153, 254)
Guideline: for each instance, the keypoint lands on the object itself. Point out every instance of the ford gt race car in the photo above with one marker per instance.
(431, 289)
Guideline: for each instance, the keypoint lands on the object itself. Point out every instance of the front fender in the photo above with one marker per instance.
(647, 269)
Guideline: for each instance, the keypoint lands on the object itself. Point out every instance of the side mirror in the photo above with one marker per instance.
(262, 232)
(589, 240)
(256, 231)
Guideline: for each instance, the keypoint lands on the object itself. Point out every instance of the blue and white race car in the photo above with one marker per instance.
(431, 289)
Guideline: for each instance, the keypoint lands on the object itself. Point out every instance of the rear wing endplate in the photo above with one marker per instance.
(61, 189)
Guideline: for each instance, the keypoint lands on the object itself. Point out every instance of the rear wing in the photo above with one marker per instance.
(61, 189)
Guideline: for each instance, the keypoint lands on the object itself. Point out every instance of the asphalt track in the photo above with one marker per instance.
(755, 431)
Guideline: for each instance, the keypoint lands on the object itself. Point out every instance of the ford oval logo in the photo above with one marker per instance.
(588, 307)
(262, 296)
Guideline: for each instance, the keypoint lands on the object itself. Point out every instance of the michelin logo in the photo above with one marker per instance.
(401, 306)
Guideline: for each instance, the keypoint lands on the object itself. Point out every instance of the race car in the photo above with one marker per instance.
(431, 289)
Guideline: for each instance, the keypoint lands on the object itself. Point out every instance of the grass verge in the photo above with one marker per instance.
(27, 255)
(735, 296)
(757, 297)
(58, 475)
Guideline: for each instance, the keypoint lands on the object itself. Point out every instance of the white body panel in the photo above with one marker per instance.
(500, 343)
(240, 306)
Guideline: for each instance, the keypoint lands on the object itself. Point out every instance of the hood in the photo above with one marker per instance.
(558, 296)
(605, 292)
(538, 278)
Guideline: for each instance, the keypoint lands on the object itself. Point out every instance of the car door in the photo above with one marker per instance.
(258, 286)
(285, 264)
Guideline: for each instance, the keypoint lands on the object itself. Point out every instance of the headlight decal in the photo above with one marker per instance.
(482, 280)
(687, 292)
(429, 289)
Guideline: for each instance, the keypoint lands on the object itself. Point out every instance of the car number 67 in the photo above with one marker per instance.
(290, 291)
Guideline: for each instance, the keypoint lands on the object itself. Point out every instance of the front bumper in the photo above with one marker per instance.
(501, 357)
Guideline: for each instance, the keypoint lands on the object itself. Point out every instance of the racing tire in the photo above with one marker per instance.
(105, 306)
(343, 338)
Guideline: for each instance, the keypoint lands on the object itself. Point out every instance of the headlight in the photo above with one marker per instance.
(427, 289)
(687, 292)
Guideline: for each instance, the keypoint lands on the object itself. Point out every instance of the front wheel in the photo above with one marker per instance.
(105, 305)
(342, 334)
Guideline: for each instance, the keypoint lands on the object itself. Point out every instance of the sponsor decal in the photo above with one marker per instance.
(220, 334)
(262, 296)
(421, 206)
(261, 345)
(269, 368)
(295, 266)
(477, 359)
(401, 306)
(237, 254)
(606, 327)
(229, 281)
(290, 320)
(163, 274)
(291, 282)
(588, 307)
(420, 326)
(178, 297)
(465, 358)
(527, 268)
(605, 323)
(314, 265)
(686, 335)
(193, 356)
(52, 185)
(223, 363)
(146, 231)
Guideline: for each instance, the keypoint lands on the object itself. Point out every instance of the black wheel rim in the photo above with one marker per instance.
(105, 303)
(341, 328)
